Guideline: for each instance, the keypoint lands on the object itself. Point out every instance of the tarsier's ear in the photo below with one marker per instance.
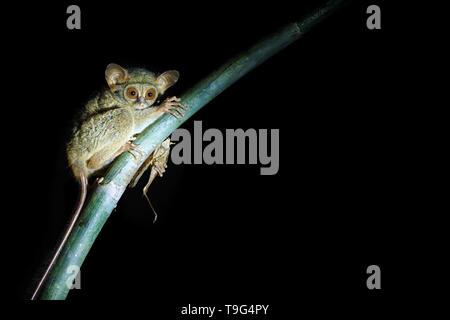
(166, 80)
(115, 75)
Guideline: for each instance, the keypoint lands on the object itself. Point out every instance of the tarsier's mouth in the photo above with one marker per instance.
(140, 106)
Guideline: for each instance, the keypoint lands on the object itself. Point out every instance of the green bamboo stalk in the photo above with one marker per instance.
(106, 195)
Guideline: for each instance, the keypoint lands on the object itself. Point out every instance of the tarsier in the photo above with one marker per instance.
(107, 126)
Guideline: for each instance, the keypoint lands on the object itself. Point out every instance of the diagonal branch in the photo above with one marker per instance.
(105, 197)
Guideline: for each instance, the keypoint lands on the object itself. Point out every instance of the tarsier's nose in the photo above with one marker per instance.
(140, 103)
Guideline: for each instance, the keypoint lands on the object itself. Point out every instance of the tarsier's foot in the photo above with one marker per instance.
(134, 150)
(95, 183)
(173, 106)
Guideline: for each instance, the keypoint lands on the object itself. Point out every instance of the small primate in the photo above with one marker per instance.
(107, 126)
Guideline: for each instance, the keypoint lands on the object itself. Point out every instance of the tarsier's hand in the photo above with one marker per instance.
(173, 106)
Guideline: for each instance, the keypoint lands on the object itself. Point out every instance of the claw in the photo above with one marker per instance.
(173, 106)
(180, 113)
(172, 112)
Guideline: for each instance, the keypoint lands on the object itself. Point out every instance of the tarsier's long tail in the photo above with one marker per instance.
(81, 199)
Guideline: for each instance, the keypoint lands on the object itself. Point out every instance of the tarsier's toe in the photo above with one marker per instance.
(175, 113)
(176, 110)
(136, 153)
(174, 107)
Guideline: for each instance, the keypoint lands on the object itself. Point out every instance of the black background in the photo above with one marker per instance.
(226, 234)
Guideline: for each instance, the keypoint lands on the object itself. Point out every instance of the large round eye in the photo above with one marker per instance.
(131, 93)
(150, 94)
